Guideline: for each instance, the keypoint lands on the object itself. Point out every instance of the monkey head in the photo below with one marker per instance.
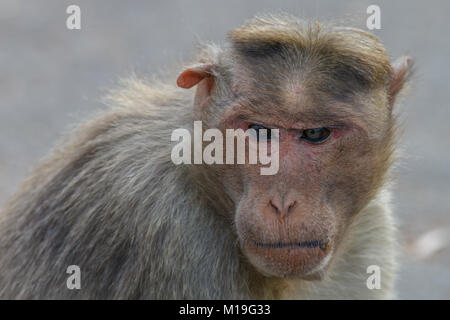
(330, 93)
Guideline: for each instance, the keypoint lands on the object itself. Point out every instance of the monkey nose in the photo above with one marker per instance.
(282, 208)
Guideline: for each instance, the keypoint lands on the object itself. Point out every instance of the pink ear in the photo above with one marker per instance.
(202, 76)
(190, 77)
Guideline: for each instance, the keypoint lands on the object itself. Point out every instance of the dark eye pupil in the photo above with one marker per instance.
(258, 127)
(315, 135)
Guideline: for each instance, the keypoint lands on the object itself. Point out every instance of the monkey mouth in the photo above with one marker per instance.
(322, 244)
(308, 260)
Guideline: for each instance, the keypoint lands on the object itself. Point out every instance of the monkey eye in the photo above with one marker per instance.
(315, 135)
(257, 129)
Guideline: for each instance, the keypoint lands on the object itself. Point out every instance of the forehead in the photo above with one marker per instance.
(347, 54)
(285, 85)
(288, 72)
(278, 58)
(294, 105)
(308, 94)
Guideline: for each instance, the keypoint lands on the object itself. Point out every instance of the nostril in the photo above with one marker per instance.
(277, 210)
(292, 206)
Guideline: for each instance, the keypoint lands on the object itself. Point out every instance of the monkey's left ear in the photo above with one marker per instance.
(401, 72)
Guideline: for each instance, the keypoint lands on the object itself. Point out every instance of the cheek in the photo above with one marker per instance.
(237, 179)
(302, 162)
(233, 182)
(312, 163)
(352, 177)
(248, 220)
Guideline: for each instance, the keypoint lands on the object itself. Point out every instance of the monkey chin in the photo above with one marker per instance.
(290, 260)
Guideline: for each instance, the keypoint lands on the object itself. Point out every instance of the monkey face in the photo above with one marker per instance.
(332, 110)
(290, 223)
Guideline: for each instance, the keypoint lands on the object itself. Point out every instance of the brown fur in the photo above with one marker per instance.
(111, 201)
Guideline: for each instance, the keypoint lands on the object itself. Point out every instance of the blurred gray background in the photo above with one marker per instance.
(52, 77)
